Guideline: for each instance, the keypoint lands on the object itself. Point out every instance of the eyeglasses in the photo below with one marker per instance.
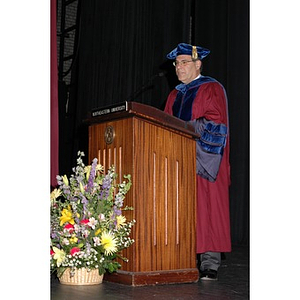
(181, 63)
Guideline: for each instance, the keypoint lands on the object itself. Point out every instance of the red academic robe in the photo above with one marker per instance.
(213, 221)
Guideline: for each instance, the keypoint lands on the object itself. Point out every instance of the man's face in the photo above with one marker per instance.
(186, 69)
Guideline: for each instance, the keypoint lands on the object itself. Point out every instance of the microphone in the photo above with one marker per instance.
(145, 86)
(161, 74)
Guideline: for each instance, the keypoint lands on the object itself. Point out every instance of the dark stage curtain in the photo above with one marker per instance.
(123, 45)
(122, 56)
(54, 126)
(223, 27)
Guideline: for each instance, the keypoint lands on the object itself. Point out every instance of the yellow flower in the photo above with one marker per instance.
(99, 168)
(121, 220)
(59, 255)
(66, 216)
(109, 243)
(81, 187)
(55, 194)
(87, 170)
(97, 231)
(65, 180)
(73, 239)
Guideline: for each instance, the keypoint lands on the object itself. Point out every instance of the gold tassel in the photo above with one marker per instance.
(194, 53)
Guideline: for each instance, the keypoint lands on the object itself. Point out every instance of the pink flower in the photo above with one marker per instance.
(52, 252)
(85, 221)
(74, 250)
(69, 227)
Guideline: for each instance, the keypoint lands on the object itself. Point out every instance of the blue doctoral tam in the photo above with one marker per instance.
(196, 52)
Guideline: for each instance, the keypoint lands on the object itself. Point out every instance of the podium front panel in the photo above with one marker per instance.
(162, 165)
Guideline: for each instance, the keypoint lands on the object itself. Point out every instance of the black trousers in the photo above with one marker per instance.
(209, 260)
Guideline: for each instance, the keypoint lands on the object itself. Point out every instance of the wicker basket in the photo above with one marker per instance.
(81, 277)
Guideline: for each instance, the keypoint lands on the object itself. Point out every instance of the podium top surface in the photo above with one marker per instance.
(142, 111)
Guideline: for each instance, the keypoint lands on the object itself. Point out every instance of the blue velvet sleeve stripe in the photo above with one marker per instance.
(216, 128)
(211, 148)
(214, 139)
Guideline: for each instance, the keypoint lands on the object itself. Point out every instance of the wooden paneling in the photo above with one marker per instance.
(162, 165)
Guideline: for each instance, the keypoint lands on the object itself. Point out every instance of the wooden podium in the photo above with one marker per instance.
(158, 150)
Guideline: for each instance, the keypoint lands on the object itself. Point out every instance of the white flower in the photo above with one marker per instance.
(92, 222)
(81, 153)
(65, 241)
(85, 233)
(101, 217)
(99, 167)
(96, 241)
(76, 228)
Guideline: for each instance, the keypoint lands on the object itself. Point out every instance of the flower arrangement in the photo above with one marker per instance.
(88, 228)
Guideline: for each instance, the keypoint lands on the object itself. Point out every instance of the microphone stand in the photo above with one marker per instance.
(146, 86)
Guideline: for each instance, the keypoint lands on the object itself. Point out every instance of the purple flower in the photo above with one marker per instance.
(117, 211)
(90, 184)
(106, 185)
(84, 201)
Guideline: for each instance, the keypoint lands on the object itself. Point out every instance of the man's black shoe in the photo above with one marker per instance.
(209, 274)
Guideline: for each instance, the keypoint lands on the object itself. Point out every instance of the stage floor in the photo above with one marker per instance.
(233, 284)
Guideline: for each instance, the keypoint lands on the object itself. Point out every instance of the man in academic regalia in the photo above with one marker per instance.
(202, 101)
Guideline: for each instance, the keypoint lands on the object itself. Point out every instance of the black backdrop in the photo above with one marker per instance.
(122, 47)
